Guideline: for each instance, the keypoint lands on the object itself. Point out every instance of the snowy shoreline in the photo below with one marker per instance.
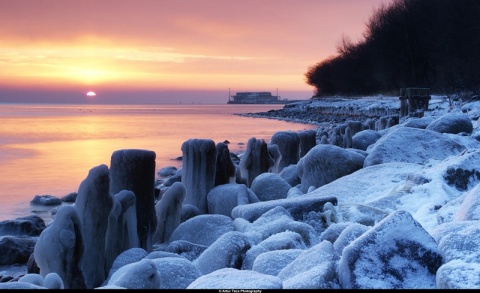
(314, 223)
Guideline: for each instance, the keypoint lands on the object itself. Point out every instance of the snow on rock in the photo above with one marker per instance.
(458, 274)
(416, 122)
(350, 233)
(411, 145)
(46, 200)
(454, 122)
(290, 175)
(236, 279)
(222, 199)
(93, 205)
(469, 210)
(198, 171)
(396, 253)
(255, 160)
(60, 247)
(363, 139)
(186, 249)
(122, 227)
(462, 243)
(270, 186)
(134, 170)
(326, 163)
(203, 229)
(274, 221)
(315, 268)
(138, 275)
(289, 145)
(280, 241)
(228, 251)
(272, 262)
(129, 256)
(298, 207)
(176, 272)
(168, 212)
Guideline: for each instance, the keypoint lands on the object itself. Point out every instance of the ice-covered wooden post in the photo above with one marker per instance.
(289, 144)
(198, 171)
(256, 160)
(134, 170)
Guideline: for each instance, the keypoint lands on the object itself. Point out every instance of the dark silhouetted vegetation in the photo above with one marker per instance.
(408, 43)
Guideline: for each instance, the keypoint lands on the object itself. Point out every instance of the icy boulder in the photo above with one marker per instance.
(280, 241)
(452, 123)
(469, 210)
(236, 279)
(222, 199)
(129, 256)
(396, 253)
(186, 249)
(458, 274)
(93, 205)
(411, 145)
(228, 251)
(198, 171)
(255, 160)
(138, 275)
(169, 212)
(59, 248)
(416, 122)
(326, 163)
(203, 229)
(134, 170)
(297, 207)
(270, 186)
(272, 262)
(462, 243)
(176, 272)
(274, 221)
(363, 139)
(289, 145)
(315, 268)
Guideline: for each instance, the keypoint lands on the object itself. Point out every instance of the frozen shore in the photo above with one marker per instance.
(401, 191)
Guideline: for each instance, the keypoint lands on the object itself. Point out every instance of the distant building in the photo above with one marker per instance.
(255, 98)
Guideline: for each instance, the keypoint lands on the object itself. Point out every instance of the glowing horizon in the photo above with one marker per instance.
(166, 45)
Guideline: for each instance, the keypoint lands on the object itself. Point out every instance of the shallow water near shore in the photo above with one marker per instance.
(48, 149)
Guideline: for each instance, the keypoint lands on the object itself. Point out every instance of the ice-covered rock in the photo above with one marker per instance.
(93, 205)
(134, 170)
(315, 268)
(176, 272)
(272, 262)
(60, 247)
(203, 229)
(395, 253)
(411, 145)
(169, 212)
(236, 279)
(255, 160)
(363, 139)
(270, 186)
(326, 163)
(281, 241)
(222, 199)
(228, 251)
(289, 145)
(454, 122)
(138, 275)
(198, 171)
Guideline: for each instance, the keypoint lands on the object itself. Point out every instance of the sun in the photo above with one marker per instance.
(91, 94)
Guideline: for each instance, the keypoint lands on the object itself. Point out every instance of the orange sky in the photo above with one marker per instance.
(152, 48)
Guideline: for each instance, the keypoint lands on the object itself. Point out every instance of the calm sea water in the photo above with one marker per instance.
(49, 149)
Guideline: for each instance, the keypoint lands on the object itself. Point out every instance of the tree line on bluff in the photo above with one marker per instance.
(408, 43)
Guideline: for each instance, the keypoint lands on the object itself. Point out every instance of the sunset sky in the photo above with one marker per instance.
(163, 51)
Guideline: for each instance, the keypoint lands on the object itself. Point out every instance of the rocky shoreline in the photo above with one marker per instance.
(319, 216)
